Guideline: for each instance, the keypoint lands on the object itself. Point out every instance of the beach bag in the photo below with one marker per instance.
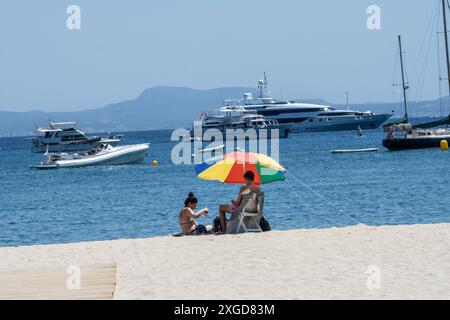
(199, 230)
(264, 225)
(216, 225)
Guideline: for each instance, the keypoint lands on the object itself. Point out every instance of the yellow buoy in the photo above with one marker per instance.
(154, 163)
(444, 145)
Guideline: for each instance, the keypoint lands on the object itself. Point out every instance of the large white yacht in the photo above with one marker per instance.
(308, 117)
(236, 117)
(64, 137)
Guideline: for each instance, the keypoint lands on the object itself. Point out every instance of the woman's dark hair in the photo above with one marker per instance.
(249, 175)
(190, 199)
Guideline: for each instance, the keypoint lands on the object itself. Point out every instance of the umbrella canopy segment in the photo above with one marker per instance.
(232, 167)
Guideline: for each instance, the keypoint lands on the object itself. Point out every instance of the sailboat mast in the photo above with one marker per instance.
(444, 15)
(403, 76)
(348, 106)
(446, 120)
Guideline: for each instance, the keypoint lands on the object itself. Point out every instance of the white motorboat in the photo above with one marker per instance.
(102, 155)
(64, 137)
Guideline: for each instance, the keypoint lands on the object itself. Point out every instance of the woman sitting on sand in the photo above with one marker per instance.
(187, 217)
(249, 178)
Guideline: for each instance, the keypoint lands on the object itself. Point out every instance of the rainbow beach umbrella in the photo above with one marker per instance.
(231, 168)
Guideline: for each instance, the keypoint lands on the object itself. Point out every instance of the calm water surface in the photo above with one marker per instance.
(322, 190)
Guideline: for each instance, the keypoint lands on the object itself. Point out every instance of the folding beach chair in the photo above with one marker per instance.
(251, 214)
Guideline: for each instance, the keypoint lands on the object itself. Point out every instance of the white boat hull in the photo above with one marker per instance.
(354, 150)
(128, 154)
(341, 123)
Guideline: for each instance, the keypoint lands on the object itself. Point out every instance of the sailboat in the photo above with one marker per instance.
(403, 135)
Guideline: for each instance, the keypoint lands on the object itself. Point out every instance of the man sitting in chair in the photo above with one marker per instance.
(249, 186)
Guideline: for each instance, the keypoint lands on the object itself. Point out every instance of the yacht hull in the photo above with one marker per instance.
(323, 123)
(281, 131)
(398, 144)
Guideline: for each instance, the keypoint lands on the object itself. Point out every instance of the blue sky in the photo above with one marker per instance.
(310, 49)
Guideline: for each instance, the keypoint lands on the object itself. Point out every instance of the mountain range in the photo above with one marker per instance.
(168, 108)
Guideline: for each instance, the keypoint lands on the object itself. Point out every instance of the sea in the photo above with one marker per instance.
(321, 190)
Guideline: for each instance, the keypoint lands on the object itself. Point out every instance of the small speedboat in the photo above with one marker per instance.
(212, 149)
(102, 155)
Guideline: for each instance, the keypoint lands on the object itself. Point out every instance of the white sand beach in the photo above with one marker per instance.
(358, 262)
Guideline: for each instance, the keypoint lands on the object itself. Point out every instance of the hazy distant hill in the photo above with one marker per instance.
(162, 108)
(155, 108)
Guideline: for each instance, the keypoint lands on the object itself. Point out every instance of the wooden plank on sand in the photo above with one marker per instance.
(61, 283)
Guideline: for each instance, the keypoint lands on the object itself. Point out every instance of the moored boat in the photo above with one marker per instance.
(306, 117)
(102, 155)
(64, 137)
(403, 135)
(235, 120)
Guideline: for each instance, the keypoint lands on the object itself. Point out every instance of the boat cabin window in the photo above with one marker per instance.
(74, 137)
